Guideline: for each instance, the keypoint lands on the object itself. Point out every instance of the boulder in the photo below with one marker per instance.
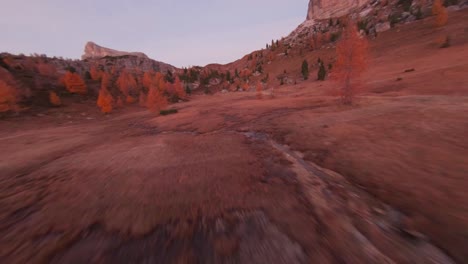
(381, 27)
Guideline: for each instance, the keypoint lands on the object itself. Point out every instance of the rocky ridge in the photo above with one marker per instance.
(94, 51)
(373, 16)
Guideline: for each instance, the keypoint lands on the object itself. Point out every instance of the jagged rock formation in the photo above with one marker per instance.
(324, 9)
(374, 16)
(109, 58)
(94, 51)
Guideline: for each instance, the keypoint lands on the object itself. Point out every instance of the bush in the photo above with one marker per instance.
(419, 14)
(406, 4)
(335, 36)
(168, 112)
(394, 19)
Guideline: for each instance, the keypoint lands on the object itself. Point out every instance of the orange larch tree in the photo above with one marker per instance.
(54, 99)
(96, 74)
(156, 100)
(127, 83)
(148, 78)
(9, 93)
(7, 97)
(74, 83)
(351, 61)
(440, 12)
(179, 88)
(105, 100)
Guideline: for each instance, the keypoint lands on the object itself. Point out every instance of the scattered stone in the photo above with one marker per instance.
(410, 70)
(382, 27)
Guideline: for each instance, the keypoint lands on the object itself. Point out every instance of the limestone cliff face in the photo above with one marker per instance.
(109, 58)
(94, 51)
(324, 9)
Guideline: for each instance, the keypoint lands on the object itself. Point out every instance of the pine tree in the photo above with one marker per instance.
(305, 70)
(322, 72)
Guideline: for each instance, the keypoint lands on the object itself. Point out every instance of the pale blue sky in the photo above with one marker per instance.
(179, 32)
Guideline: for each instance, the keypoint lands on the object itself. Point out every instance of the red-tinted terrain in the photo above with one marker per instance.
(291, 176)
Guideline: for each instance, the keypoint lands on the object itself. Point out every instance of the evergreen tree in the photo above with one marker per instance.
(305, 70)
(322, 72)
(169, 77)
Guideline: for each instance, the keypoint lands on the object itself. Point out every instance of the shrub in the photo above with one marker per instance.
(335, 36)
(168, 112)
(394, 19)
(406, 4)
(54, 99)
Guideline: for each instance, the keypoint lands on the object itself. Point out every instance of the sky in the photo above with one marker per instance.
(179, 32)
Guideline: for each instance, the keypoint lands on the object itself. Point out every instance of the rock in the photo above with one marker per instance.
(453, 8)
(411, 18)
(381, 27)
(94, 51)
(405, 15)
(324, 9)
(365, 12)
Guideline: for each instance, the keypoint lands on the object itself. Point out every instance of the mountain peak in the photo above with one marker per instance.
(324, 9)
(93, 51)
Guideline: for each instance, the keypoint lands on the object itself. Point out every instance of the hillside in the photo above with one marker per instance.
(229, 173)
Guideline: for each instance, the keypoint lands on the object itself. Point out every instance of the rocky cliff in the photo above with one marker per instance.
(94, 51)
(109, 58)
(324, 9)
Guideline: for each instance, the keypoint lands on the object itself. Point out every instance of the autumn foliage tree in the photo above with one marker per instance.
(179, 89)
(105, 100)
(95, 73)
(127, 83)
(7, 97)
(54, 99)
(440, 12)
(156, 101)
(148, 78)
(8, 92)
(351, 61)
(74, 83)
